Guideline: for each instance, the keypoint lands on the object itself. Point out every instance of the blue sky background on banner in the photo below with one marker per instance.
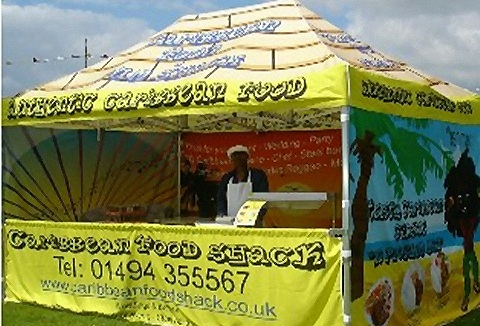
(441, 38)
(381, 234)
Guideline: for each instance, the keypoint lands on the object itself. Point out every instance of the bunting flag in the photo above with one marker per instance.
(58, 58)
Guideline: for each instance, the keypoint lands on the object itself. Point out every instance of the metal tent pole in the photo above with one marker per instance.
(346, 250)
(86, 54)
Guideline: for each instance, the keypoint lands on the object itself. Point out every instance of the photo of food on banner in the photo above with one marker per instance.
(379, 303)
(412, 288)
(440, 270)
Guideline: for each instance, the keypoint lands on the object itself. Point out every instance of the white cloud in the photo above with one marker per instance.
(181, 7)
(204, 5)
(407, 8)
(441, 38)
(44, 31)
(320, 7)
(438, 37)
(50, 30)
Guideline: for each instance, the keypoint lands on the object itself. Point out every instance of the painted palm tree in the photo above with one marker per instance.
(407, 156)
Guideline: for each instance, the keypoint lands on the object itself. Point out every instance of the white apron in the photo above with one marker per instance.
(237, 195)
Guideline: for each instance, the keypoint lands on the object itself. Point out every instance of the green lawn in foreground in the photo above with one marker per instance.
(23, 314)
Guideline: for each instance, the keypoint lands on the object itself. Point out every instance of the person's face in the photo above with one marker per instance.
(184, 165)
(239, 159)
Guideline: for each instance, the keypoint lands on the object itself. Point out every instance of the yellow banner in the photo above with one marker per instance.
(324, 89)
(177, 275)
(372, 92)
(424, 292)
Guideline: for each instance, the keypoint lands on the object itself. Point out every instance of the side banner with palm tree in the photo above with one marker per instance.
(415, 189)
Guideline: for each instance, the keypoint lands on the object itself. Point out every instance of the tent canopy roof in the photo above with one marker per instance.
(226, 67)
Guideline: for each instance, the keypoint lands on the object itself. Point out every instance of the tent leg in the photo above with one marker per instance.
(346, 250)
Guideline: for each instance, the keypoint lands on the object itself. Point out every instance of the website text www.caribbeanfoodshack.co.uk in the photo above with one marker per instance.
(159, 299)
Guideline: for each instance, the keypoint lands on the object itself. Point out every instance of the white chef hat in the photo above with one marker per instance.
(235, 149)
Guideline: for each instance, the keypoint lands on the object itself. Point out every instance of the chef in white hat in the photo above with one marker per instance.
(236, 185)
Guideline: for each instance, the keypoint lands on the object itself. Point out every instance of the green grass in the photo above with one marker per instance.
(24, 314)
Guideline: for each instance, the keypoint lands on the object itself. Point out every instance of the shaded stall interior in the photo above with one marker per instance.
(160, 170)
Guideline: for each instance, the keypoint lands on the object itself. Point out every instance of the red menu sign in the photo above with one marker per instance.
(294, 161)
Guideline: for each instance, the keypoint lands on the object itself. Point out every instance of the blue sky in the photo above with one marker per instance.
(439, 37)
